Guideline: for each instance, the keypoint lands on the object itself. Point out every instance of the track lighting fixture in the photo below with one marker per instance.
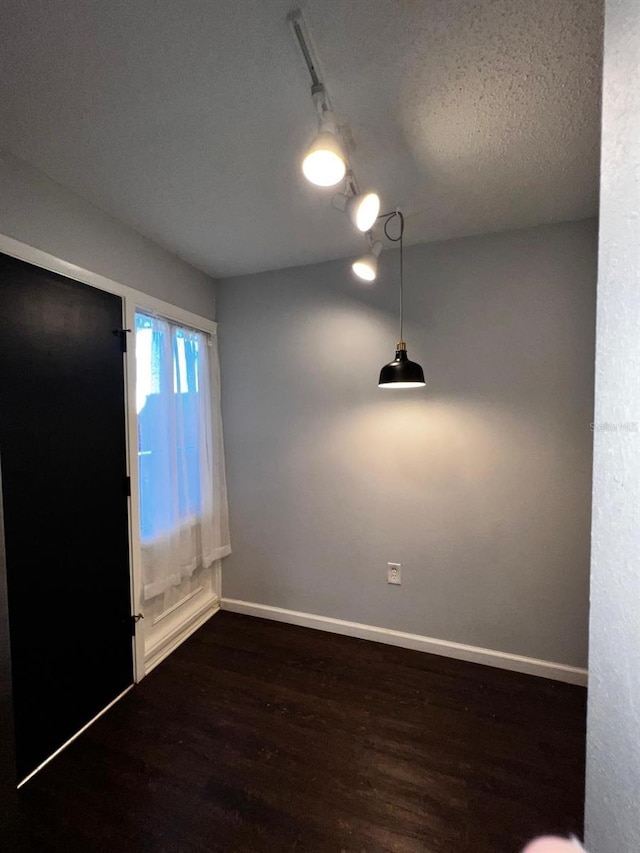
(400, 373)
(324, 163)
(366, 267)
(361, 208)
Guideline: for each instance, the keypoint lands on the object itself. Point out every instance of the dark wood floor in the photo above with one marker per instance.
(257, 736)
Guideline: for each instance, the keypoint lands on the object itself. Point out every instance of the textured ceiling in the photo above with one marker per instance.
(187, 120)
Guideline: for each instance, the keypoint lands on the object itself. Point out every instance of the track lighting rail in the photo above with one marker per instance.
(295, 19)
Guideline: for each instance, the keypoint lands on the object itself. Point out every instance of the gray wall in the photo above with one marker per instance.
(613, 738)
(479, 485)
(40, 212)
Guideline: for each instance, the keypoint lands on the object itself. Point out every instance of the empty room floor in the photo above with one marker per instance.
(257, 736)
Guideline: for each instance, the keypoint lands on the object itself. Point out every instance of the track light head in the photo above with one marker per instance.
(325, 163)
(361, 208)
(366, 267)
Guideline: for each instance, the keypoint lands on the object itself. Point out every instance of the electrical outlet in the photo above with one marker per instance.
(394, 573)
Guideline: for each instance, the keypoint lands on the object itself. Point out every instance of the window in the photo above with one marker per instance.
(183, 515)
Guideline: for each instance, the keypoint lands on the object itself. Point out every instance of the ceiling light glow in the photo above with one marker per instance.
(365, 271)
(323, 166)
(401, 385)
(361, 208)
(366, 267)
(366, 211)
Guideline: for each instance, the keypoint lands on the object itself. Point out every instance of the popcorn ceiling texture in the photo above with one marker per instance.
(188, 121)
(613, 754)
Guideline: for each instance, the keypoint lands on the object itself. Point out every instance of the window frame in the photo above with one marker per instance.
(136, 302)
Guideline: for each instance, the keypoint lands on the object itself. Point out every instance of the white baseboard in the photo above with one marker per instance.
(445, 648)
(156, 653)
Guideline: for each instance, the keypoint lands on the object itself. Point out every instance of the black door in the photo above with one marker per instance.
(63, 454)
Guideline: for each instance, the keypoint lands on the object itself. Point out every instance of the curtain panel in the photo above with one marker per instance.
(184, 522)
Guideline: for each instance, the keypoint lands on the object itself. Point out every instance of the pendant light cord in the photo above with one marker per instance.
(401, 278)
(388, 217)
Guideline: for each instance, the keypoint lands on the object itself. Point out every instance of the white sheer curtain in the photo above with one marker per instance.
(183, 500)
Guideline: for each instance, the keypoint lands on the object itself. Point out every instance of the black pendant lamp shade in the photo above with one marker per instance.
(401, 373)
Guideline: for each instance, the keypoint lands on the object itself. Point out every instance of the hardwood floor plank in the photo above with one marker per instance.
(259, 736)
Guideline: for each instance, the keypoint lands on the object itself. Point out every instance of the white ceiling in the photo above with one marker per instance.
(187, 118)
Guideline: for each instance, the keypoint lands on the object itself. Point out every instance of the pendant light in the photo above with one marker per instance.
(400, 373)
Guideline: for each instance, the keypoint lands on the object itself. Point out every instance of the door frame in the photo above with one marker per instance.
(132, 300)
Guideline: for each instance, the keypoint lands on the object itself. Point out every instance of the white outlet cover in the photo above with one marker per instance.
(394, 573)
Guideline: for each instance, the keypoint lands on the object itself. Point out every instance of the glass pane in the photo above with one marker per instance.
(168, 403)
